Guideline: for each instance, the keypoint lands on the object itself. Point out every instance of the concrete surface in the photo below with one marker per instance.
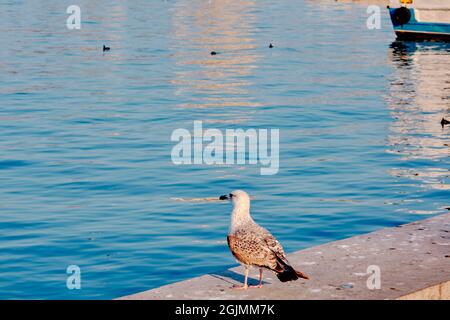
(413, 259)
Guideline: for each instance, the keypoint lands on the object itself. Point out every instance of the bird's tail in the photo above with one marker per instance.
(301, 275)
(288, 273)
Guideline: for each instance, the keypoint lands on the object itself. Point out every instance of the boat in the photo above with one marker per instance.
(421, 19)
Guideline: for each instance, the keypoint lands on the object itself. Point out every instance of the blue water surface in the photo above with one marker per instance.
(86, 176)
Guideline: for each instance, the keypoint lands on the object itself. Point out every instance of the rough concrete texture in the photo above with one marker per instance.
(414, 262)
(438, 292)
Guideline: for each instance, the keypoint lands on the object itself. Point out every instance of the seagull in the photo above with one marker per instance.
(254, 246)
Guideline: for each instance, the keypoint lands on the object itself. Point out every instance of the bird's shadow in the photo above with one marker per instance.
(228, 276)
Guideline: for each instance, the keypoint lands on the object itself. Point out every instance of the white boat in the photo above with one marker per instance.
(421, 19)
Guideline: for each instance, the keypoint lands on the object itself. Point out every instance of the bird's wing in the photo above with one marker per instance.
(287, 272)
(250, 249)
(258, 247)
(275, 246)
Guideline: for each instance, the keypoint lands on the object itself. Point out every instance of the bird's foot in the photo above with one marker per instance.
(259, 286)
(237, 287)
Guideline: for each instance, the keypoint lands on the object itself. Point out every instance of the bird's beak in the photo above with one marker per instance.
(224, 197)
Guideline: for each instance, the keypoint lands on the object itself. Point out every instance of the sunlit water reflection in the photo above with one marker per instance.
(419, 97)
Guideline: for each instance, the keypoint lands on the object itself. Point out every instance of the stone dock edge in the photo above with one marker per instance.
(410, 261)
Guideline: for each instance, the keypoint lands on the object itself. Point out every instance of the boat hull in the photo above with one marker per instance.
(415, 29)
(421, 36)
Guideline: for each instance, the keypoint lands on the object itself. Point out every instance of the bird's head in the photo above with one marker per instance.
(239, 198)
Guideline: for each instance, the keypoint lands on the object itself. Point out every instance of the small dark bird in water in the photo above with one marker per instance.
(444, 122)
(213, 53)
(105, 48)
(270, 45)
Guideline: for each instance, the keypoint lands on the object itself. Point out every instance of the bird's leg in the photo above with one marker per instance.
(260, 279)
(245, 286)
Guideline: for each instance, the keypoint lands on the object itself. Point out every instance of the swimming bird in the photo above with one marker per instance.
(270, 45)
(444, 122)
(253, 245)
(213, 53)
(105, 48)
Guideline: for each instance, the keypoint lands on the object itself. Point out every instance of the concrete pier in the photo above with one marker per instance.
(413, 262)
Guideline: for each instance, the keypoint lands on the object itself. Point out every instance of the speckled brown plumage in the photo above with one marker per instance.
(253, 245)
